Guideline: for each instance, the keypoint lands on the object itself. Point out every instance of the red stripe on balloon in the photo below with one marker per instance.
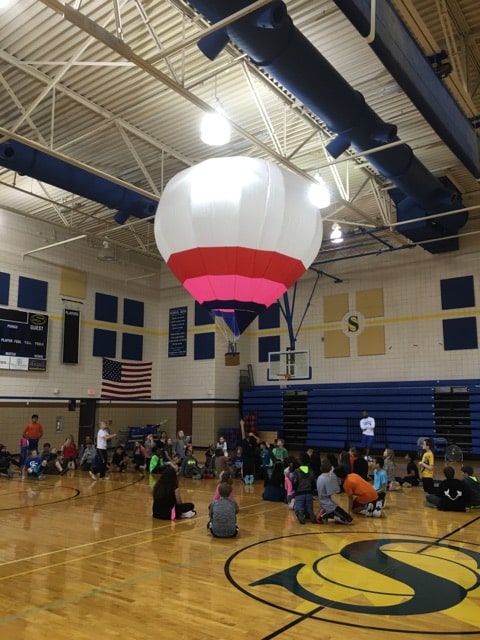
(257, 290)
(250, 263)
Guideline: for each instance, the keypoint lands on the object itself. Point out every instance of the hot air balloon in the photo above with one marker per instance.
(237, 232)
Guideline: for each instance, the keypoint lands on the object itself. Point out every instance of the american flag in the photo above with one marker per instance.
(126, 379)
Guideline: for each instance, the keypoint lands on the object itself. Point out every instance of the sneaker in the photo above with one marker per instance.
(377, 513)
(321, 516)
(92, 475)
(9, 474)
(40, 476)
(188, 514)
(301, 518)
(406, 485)
(291, 504)
(105, 478)
(369, 509)
(63, 471)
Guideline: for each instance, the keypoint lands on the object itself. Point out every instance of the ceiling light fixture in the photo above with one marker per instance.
(215, 129)
(336, 235)
(106, 253)
(319, 194)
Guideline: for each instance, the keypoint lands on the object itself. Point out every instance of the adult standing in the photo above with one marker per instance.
(103, 436)
(249, 450)
(33, 431)
(367, 426)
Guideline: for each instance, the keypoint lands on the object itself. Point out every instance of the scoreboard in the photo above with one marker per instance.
(23, 340)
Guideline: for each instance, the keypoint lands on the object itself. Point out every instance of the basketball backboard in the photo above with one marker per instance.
(289, 365)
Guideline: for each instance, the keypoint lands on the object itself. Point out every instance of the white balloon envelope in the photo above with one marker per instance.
(237, 232)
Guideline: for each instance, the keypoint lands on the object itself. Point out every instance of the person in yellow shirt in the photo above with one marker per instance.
(426, 466)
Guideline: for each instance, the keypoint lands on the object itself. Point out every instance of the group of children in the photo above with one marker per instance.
(295, 481)
(366, 482)
(451, 494)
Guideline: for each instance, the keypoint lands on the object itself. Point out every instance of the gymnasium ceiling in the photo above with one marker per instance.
(72, 89)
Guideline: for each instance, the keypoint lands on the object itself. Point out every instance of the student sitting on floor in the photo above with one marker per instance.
(237, 463)
(358, 464)
(167, 500)
(450, 493)
(138, 455)
(412, 476)
(225, 477)
(33, 466)
(120, 460)
(472, 487)
(5, 462)
(274, 490)
(50, 463)
(190, 467)
(157, 463)
(223, 514)
(87, 460)
(220, 463)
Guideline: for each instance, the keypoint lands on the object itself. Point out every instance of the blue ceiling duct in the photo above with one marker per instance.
(270, 39)
(413, 70)
(41, 166)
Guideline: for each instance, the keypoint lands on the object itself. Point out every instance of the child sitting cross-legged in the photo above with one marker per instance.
(120, 460)
(167, 500)
(225, 477)
(450, 493)
(274, 484)
(223, 514)
(190, 467)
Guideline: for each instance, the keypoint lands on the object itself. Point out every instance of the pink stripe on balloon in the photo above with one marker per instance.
(258, 290)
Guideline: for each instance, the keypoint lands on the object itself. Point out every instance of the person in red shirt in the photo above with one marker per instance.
(33, 431)
(70, 451)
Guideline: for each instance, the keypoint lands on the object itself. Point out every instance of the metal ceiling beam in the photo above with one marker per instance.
(94, 108)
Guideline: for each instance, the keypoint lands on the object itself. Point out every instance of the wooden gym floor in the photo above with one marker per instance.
(83, 560)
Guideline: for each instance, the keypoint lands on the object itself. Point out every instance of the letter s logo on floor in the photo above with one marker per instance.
(365, 578)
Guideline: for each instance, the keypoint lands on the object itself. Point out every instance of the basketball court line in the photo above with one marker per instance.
(116, 585)
(101, 542)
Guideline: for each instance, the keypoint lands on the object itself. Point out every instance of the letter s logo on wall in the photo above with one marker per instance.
(352, 324)
(366, 579)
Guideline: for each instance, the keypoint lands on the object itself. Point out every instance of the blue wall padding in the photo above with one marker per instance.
(457, 293)
(132, 346)
(133, 312)
(32, 294)
(104, 343)
(106, 307)
(204, 346)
